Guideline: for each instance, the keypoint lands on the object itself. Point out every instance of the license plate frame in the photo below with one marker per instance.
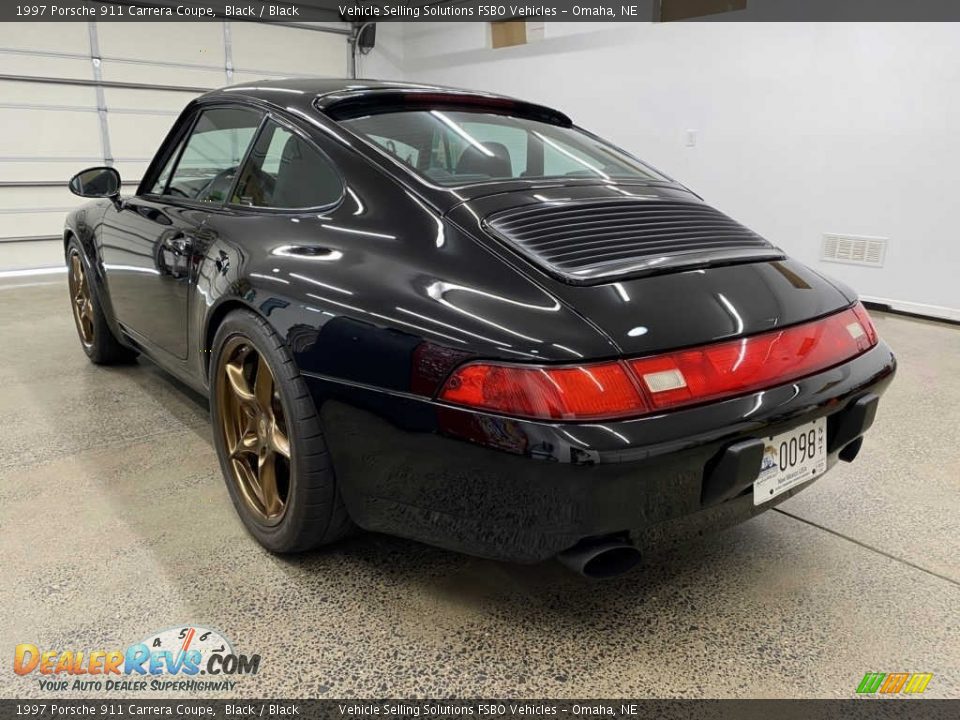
(789, 460)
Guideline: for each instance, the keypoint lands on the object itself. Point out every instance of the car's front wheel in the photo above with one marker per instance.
(96, 338)
(269, 439)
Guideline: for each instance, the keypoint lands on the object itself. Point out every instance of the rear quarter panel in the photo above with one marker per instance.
(356, 288)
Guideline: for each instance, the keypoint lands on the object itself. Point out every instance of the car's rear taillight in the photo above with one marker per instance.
(754, 363)
(619, 389)
(586, 392)
(866, 323)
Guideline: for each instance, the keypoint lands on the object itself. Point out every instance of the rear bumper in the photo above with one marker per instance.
(524, 491)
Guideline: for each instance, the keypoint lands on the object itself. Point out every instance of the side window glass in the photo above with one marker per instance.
(161, 183)
(213, 154)
(286, 172)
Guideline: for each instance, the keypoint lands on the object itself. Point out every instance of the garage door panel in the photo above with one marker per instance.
(69, 37)
(164, 100)
(42, 94)
(195, 43)
(116, 71)
(36, 224)
(131, 173)
(36, 197)
(291, 50)
(138, 136)
(52, 67)
(22, 255)
(47, 171)
(253, 76)
(59, 132)
(47, 133)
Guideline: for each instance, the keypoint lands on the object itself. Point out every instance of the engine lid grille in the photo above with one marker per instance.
(594, 239)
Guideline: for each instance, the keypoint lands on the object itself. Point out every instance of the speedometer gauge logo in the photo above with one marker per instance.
(189, 639)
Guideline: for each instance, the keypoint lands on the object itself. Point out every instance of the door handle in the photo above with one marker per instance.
(179, 244)
(173, 258)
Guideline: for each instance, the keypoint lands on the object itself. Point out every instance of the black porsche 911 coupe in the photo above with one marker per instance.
(459, 318)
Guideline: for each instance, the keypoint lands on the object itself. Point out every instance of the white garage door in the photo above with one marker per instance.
(74, 95)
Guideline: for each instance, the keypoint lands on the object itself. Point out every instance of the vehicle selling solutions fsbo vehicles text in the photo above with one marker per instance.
(373, 12)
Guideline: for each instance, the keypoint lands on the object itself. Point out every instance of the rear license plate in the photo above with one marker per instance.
(791, 458)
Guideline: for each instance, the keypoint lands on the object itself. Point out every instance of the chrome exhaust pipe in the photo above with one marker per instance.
(600, 558)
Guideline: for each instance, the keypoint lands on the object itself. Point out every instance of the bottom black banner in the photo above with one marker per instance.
(854, 709)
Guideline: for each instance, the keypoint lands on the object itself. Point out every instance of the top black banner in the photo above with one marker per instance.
(482, 10)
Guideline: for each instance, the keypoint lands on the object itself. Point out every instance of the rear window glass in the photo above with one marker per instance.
(453, 147)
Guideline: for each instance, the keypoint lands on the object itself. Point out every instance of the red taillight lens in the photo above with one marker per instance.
(636, 387)
(861, 312)
(754, 363)
(582, 393)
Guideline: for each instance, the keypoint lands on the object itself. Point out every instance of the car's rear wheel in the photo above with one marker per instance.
(269, 439)
(96, 338)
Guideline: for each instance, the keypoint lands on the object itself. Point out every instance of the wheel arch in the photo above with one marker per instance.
(76, 228)
(96, 272)
(71, 233)
(214, 320)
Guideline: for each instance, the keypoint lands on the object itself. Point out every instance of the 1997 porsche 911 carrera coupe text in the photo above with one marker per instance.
(459, 318)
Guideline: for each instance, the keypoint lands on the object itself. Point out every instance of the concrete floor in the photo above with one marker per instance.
(114, 522)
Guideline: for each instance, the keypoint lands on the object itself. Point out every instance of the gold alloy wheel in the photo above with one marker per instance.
(254, 431)
(80, 298)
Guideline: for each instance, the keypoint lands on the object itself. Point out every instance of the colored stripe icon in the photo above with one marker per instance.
(891, 683)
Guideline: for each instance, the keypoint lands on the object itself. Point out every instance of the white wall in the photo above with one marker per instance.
(385, 61)
(802, 129)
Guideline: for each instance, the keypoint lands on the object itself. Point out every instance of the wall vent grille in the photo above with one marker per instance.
(854, 250)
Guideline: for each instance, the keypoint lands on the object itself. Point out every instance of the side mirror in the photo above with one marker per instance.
(98, 182)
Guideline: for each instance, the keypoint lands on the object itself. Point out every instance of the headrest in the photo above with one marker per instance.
(496, 164)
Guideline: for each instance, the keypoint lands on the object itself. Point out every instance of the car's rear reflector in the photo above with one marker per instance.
(617, 389)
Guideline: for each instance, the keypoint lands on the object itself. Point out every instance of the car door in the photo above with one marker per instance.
(151, 244)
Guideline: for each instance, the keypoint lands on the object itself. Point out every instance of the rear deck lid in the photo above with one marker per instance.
(585, 240)
(693, 297)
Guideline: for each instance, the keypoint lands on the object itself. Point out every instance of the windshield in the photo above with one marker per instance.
(453, 147)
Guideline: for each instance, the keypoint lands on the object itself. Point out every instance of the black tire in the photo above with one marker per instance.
(314, 513)
(100, 345)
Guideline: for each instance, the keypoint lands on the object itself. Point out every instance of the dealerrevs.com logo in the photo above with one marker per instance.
(182, 658)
